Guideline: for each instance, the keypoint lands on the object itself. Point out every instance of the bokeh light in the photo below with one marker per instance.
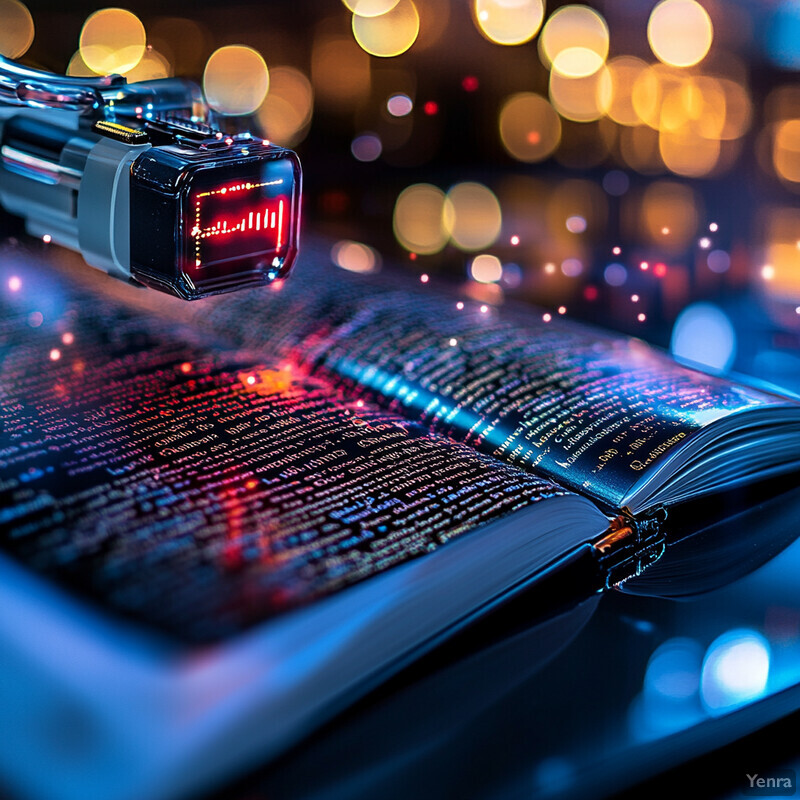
(236, 80)
(735, 670)
(624, 72)
(366, 147)
(680, 32)
(783, 35)
(509, 22)
(340, 72)
(185, 43)
(355, 256)
(486, 268)
(704, 335)
(786, 150)
(418, 219)
(399, 105)
(672, 207)
(388, 34)
(718, 261)
(685, 152)
(530, 128)
(286, 111)
(574, 41)
(581, 99)
(78, 68)
(615, 274)
(16, 28)
(153, 66)
(472, 216)
(370, 8)
(112, 40)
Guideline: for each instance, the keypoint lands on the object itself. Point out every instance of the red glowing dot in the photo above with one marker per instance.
(431, 108)
(251, 484)
(484, 309)
(360, 404)
(470, 83)
(665, 231)
(642, 317)
(186, 367)
(412, 256)
(138, 110)
(616, 250)
(644, 266)
(515, 240)
(47, 238)
(660, 270)
(562, 309)
(534, 137)
(266, 142)
(424, 278)
(459, 305)
(67, 338)
(547, 317)
(634, 298)
(55, 354)
(251, 379)
(590, 293)
(14, 283)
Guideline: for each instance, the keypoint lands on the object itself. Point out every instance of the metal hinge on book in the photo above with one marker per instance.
(631, 544)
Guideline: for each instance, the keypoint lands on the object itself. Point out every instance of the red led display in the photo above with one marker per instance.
(237, 221)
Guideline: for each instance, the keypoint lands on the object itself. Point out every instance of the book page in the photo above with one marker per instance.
(590, 410)
(201, 489)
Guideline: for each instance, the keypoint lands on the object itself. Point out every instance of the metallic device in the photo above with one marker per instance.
(137, 178)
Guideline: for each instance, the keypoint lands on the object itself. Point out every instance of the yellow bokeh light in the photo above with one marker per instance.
(686, 152)
(77, 67)
(581, 99)
(340, 72)
(577, 29)
(649, 90)
(417, 220)
(486, 268)
(370, 8)
(509, 21)
(112, 41)
(153, 66)
(680, 32)
(530, 128)
(389, 34)
(16, 28)
(472, 216)
(780, 275)
(236, 80)
(639, 149)
(287, 108)
(624, 72)
(184, 42)
(577, 62)
(786, 150)
(672, 207)
(738, 109)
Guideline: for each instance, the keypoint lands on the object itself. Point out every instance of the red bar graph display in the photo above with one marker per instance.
(238, 221)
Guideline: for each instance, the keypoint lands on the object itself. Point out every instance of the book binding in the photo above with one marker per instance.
(631, 544)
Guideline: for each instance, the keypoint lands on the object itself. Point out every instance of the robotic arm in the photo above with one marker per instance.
(138, 179)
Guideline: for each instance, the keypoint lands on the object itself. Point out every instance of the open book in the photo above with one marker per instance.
(221, 521)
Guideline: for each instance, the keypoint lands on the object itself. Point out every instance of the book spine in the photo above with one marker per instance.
(631, 544)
